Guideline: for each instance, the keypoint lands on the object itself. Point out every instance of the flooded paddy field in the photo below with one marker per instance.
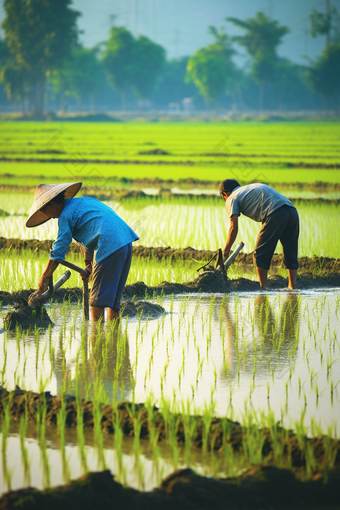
(211, 377)
(259, 359)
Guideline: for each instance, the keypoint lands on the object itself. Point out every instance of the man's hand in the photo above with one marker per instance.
(225, 255)
(33, 297)
(43, 283)
(44, 280)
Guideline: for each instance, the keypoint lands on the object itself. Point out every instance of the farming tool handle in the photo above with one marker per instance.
(86, 273)
(80, 270)
(53, 288)
(232, 257)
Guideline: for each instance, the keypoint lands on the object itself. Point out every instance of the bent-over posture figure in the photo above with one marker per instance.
(280, 222)
(105, 240)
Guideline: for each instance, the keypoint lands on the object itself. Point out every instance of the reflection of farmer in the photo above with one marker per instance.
(105, 239)
(286, 330)
(279, 218)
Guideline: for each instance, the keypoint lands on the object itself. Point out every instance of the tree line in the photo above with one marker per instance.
(41, 56)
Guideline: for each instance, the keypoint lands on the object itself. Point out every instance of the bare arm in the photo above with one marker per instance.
(49, 270)
(44, 280)
(232, 234)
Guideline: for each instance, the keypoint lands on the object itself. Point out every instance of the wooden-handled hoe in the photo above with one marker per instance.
(86, 273)
(220, 265)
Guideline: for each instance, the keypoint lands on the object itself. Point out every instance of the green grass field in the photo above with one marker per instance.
(272, 153)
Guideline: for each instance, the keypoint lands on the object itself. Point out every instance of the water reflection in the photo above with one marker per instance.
(104, 366)
(253, 336)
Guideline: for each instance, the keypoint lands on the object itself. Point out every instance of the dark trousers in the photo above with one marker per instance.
(282, 225)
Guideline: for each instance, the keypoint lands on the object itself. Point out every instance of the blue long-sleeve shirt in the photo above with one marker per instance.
(94, 225)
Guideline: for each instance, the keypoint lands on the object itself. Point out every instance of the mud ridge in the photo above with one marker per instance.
(265, 487)
(165, 195)
(187, 162)
(322, 264)
(207, 282)
(100, 161)
(215, 282)
(189, 182)
(220, 432)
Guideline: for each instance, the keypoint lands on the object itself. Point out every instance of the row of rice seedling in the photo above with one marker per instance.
(256, 359)
(21, 271)
(32, 173)
(225, 349)
(176, 138)
(196, 223)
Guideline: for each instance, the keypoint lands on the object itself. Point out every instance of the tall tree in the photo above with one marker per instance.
(118, 60)
(211, 68)
(40, 34)
(324, 75)
(79, 77)
(148, 60)
(322, 23)
(13, 75)
(261, 38)
(206, 70)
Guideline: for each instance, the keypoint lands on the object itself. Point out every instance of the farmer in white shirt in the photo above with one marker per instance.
(280, 222)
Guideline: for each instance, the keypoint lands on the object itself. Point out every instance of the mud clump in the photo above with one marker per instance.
(143, 309)
(27, 317)
(211, 281)
(155, 152)
(20, 298)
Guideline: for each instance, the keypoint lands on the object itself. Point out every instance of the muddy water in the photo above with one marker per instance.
(272, 353)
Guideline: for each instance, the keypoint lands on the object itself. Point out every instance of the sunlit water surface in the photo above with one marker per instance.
(275, 352)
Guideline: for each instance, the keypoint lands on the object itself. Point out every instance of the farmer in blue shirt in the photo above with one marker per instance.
(280, 222)
(105, 240)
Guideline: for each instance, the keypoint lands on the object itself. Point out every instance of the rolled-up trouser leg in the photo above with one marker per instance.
(273, 228)
(109, 277)
(289, 240)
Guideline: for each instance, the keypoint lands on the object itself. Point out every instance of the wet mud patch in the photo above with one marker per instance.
(143, 309)
(20, 298)
(261, 486)
(214, 281)
(275, 444)
(207, 282)
(27, 317)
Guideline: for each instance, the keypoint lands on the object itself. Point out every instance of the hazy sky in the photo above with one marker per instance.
(181, 25)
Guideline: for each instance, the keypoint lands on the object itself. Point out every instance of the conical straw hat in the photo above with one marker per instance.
(43, 194)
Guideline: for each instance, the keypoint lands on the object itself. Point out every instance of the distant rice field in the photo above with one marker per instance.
(272, 153)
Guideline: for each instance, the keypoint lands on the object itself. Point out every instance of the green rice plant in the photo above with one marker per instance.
(7, 473)
(25, 459)
(208, 413)
(46, 471)
(189, 426)
(253, 440)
